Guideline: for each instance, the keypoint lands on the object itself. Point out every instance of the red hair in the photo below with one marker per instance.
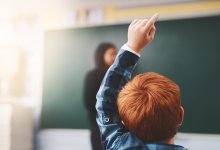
(149, 106)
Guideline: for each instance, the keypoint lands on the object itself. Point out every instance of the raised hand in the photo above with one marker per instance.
(141, 32)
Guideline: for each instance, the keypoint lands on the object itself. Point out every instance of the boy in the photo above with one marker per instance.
(144, 113)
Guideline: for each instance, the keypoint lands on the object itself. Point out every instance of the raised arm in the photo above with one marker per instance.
(140, 33)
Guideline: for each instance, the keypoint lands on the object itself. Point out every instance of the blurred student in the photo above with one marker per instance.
(143, 113)
(104, 57)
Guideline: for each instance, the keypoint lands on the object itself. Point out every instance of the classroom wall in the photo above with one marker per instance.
(187, 51)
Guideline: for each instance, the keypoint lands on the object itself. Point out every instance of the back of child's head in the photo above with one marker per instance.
(149, 106)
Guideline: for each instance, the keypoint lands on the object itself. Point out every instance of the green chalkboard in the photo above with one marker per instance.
(187, 51)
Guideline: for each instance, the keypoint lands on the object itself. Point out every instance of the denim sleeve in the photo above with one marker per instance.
(107, 113)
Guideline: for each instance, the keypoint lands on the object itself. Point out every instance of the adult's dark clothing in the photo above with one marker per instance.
(92, 83)
(91, 86)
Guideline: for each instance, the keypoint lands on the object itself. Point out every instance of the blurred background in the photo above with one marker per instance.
(46, 48)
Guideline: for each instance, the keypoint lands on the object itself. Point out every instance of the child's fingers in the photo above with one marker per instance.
(151, 22)
(133, 22)
(144, 21)
(152, 32)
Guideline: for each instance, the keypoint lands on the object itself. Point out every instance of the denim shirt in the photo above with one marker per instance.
(113, 134)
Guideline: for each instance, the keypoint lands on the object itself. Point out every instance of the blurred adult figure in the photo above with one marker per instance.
(104, 57)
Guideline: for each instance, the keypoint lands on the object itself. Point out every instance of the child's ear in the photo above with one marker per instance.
(181, 116)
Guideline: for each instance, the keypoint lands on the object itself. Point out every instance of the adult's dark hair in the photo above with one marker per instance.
(99, 54)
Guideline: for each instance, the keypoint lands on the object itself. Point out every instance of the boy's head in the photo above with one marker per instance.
(149, 106)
